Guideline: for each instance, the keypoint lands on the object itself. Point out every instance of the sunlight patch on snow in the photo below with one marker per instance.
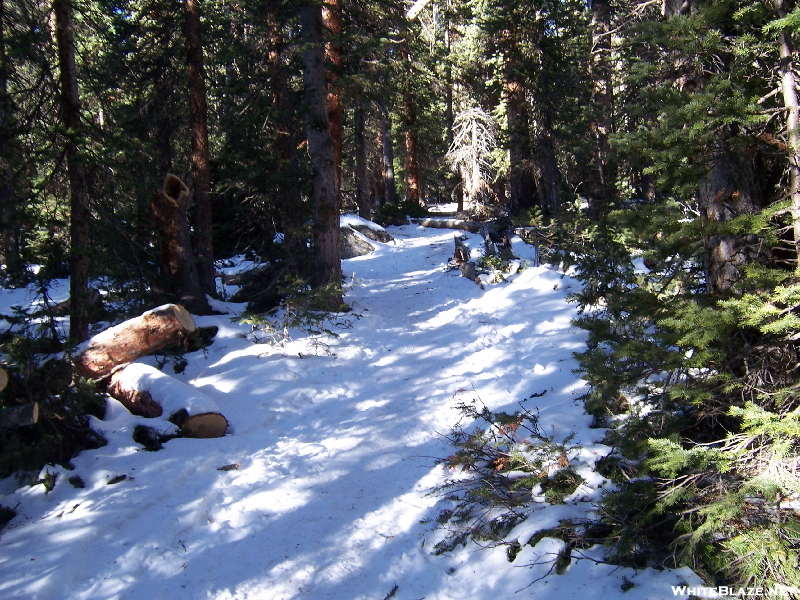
(368, 404)
(557, 323)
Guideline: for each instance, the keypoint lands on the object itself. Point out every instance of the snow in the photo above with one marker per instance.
(336, 456)
(350, 220)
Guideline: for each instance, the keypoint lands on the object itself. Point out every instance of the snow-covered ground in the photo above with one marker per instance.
(336, 457)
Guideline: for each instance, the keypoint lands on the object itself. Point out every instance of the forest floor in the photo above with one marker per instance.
(337, 452)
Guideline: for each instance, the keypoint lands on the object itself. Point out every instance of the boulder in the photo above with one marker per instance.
(354, 244)
(373, 232)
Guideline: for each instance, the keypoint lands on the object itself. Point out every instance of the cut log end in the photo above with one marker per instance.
(184, 317)
(206, 425)
(19, 416)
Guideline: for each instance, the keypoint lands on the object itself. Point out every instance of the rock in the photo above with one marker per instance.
(373, 233)
(353, 244)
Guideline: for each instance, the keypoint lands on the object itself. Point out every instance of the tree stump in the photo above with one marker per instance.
(170, 209)
(461, 258)
(133, 339)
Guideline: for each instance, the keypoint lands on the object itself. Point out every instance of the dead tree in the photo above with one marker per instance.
(461, 258)
(170, 209)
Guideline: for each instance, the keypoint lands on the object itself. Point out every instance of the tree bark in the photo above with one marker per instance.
(287, 200)
(332, 19)
(201, 162)
(602, 172)
(133, 339)
(10, 228)
(326, 234)
(792, 106)
(170, 206)
(522, 187)
(195, 413)
(361, 174)
(413, 183)
(730, 190)
(138, 402)
(414, 193)
(387, 153)
(448, 80)
(548, 175)
(79, 190)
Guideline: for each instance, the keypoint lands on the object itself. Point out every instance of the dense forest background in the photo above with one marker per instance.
(652, 146)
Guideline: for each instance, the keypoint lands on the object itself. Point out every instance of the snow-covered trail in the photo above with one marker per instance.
(336, 457)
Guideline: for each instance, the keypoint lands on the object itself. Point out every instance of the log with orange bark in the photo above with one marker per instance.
(133, 339)
(148, 392)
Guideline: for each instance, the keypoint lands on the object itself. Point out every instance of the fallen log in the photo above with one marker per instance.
(471, 226)
(19, 416)
(141, 387)
(138, 402)
(133, 339)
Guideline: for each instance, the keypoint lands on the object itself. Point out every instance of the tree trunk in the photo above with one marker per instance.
(670, 8)
(170, 206)
(792, 106)
(326, 234)
(448, 80)
(414, 193)
(79, 189)
(332, 19)
(548, 176)
(361, 174)
(387, 152)
(602, 172)
(730, 190)
(520, 178)
(413, 183)
(10, 227)
(133, 339)
(201, 162)
(287, 200)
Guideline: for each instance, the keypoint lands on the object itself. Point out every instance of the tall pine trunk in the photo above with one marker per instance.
(521, 184)
(414, 194)
(76, 172)
(602, 171)
(332, 19)
(413, 183)
(548, 175)
(387, 153)
(361, 174)
(730, 190)
(449, 116)
(287, 198)
(201, 162)
(326, 235)
(10, 228)
(792, 106)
